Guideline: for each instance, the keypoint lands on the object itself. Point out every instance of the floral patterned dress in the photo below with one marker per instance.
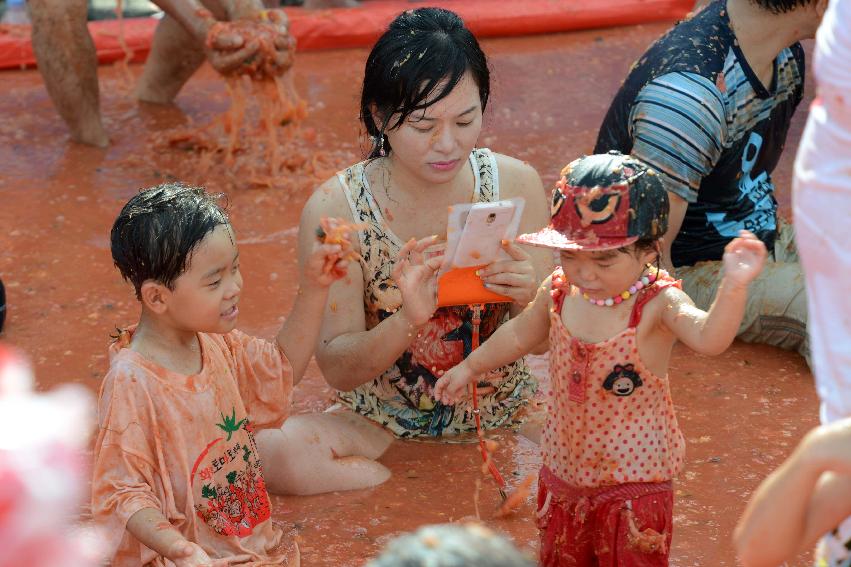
(401, 399)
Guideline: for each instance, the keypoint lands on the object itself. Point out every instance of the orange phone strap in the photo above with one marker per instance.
(477, 320)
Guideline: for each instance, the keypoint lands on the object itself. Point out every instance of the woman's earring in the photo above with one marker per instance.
(381, 151)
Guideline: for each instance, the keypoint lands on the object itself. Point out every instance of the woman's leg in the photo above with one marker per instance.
(323, 452)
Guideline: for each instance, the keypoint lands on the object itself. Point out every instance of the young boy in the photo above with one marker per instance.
(177, 473)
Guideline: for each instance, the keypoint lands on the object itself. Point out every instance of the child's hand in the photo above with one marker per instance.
(452, 386)
(744, 258)
(417, 280)
(335, 251)
(185, 553)
(325, 265)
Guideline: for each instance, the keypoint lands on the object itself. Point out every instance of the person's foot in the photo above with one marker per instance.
(91, 134)
(322, 4)
(152, 95)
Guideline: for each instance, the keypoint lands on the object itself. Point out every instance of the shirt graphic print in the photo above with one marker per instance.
(227, 479)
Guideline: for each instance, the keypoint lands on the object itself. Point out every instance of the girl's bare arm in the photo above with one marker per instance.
(509, 342)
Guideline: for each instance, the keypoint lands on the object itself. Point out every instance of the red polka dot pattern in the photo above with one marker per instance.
(594, 437)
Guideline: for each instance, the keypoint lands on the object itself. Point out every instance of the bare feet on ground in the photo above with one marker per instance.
(92, 134)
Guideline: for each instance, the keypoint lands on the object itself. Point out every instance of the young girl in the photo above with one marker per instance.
(611, 443)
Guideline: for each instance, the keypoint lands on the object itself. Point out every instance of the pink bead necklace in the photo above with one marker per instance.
(642, 282)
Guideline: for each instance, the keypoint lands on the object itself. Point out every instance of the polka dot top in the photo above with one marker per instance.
(610, 420)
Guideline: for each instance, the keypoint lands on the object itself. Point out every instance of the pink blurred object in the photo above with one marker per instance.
(43, 470)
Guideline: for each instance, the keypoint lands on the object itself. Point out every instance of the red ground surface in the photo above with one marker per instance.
(741, 412)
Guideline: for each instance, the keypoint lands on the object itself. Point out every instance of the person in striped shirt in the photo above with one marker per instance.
(709, 106)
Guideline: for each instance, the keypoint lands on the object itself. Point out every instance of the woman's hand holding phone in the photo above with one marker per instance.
(514, 278)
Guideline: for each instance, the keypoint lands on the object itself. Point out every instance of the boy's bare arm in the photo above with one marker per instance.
(300, 332)
(154, 531)
(322, 266)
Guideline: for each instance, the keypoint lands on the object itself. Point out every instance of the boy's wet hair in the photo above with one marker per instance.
(781, 6)
(157, 230)
(452, 545)
(418, 61)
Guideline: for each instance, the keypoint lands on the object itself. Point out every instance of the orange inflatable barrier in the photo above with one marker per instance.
(360, 26)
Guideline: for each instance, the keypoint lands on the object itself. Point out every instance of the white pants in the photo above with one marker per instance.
(822, 209)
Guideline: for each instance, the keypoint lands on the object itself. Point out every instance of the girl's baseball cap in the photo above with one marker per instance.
(602, 202)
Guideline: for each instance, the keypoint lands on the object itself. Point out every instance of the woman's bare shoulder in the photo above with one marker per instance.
(327, 200)
(517, 178)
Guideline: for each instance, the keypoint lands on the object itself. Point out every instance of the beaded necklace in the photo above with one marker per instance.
(642, 282)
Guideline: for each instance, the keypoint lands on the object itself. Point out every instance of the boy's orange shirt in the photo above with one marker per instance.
(184, 445)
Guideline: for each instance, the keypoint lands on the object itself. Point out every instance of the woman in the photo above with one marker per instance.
(384, 342)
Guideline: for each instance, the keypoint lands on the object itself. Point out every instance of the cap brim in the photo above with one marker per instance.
(551, 238)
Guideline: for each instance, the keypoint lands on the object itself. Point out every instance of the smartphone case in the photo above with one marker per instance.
(486, 226)
(461, 286)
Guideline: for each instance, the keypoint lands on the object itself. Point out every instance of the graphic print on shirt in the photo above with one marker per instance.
(695, 111)
(446, 340)
(227, 479)
(757, 190)
(623, 380)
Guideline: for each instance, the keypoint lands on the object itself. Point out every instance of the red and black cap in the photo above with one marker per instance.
(602, 202)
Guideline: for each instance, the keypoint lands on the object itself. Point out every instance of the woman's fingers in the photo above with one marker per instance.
(417, 255)
(406, 249)
(516, 294)
(434, 263)
(514, 266)
(424, 243)
(515, 251)
(509, 279)
(398, 270)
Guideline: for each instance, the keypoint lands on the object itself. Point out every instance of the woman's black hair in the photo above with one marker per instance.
(157, 230)
(422, 50)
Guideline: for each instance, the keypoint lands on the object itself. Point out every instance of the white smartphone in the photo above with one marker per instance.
(485, 228)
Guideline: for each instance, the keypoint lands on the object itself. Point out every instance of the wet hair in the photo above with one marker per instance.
(452, 545)
(157, 230)
(781, 6)
(648, 244)
(418, 61)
